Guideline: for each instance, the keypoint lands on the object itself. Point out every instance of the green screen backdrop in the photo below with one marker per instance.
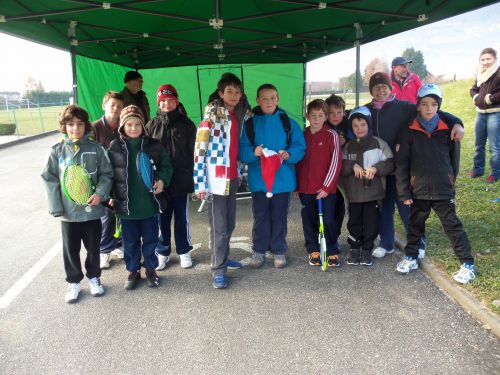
(194, 84)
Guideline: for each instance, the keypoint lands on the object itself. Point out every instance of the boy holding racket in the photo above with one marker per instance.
(317, 177)
(216, 170)
(105, 130)
(79, 222)
(137, 193)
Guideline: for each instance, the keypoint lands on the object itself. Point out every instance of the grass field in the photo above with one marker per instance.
(480, 217)
(31, 121)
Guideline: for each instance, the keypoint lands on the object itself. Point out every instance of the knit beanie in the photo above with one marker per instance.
(380, 78)
(131, 75)
(361, 112)
(129, 112)
(166, 91)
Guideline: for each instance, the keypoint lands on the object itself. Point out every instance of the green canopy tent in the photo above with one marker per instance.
(260, 40)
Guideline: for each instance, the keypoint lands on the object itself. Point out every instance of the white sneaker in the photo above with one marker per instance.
(72, 293)
(380, 252)
(186, 261)
(406, 265)
(105, 260)
(421, 253)
(465, 274)
(162, 262)
(96, 288)
(118, 253)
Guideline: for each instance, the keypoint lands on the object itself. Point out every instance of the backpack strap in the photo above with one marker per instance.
(285, 121)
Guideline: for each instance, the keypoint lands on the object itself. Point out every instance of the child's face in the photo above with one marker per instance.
(335, 115)
(359, 127)
(113, 108)
(231, 97)
(75, 128)
(428, 107)
(316, 119)
(268, 100)
(168, 104)
(133, 127)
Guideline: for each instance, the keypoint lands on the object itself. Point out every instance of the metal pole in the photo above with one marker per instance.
(358, 73)
(73, 43)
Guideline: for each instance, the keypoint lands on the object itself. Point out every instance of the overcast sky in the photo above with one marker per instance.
(450, 47)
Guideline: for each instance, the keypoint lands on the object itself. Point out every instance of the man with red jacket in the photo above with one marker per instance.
(405, 84)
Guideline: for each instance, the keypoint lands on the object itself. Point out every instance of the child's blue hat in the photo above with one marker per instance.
(361, 112)
(432, 90)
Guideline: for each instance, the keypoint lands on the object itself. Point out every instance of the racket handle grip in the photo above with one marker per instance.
(320, 206)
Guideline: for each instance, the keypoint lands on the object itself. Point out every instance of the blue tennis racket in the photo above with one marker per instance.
(147, 170)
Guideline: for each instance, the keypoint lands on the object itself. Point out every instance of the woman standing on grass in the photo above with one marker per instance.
(486, 96)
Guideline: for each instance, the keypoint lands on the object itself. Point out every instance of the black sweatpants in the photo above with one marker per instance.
(338, 216)
(73, 233)
(363, 224)
(445, 210)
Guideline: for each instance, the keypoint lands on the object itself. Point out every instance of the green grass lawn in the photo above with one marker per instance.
(481, 218)
(31, 121)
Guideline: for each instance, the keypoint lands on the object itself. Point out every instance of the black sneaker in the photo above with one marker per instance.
(354, 255)
(133, 280)
(366, 258)
(152, 278)
(315, 259)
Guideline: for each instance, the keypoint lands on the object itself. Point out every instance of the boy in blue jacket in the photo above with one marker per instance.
(271, 128)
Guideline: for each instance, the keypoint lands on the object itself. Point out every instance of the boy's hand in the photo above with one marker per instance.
(295, 194)
(321, 194)
(201, 195)
(370, 173)
(258, 151)
(94, 200)
(342, 140)
(457, 132)
(358, 171)
(158, 187)
(111, 202)
(408, 202)
(283, 155)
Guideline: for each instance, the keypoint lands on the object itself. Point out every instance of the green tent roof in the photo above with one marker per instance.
(151, 34)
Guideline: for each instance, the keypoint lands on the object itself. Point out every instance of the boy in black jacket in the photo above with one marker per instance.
(177, 133)
(426, 168)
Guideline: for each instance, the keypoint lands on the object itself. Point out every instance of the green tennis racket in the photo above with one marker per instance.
(77, 185)
(321, 237)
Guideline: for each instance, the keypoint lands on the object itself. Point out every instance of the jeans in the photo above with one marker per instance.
(178, 208)
(487, 128)
(140, 238)
(386, 221)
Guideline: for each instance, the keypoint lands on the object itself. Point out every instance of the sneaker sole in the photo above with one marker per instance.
(365, 264)
(97, 294)
(352, 263)
(315, 264)
(71, 301)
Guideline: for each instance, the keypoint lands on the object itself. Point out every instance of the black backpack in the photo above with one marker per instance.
(285, 120)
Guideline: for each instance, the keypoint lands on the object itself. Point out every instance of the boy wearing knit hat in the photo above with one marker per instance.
(366, 161)
(177, 134)
(427, 162)
(135, 205)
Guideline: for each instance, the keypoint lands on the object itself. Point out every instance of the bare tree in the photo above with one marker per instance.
(374, 66)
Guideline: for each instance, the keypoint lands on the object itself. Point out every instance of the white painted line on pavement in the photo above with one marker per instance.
(28, 277)
(6, 171)
(237, 239)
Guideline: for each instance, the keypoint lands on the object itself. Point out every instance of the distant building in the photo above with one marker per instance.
(322, 88)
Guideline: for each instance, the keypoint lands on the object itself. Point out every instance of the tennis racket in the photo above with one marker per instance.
(77, 185)
(321, 237)
(147, 170)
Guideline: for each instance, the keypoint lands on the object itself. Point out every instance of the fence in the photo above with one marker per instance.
(34, 120)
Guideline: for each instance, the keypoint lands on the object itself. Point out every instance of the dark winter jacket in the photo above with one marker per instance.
(395, 115)
(120, 159)
(366, 152)
(103, 133)
(140, 99)
(492, 87)
(426, 164)
(177, 134)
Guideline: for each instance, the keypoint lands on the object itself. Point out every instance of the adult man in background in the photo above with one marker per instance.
(132, 93)
(405, 84)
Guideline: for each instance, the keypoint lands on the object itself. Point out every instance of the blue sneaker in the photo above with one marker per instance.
(220, 282)
(233, 264)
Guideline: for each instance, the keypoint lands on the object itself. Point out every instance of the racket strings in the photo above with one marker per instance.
(78, 184)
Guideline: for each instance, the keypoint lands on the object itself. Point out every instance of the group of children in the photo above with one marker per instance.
(336, 149)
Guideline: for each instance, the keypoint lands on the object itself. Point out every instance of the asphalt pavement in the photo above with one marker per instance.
(296, 320)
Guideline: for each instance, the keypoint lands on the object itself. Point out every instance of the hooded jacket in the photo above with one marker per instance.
(426, 163)
(103, 133)
(140, 99)
(84, 152)
(177, 134)
(269, 132)
(211, 150)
